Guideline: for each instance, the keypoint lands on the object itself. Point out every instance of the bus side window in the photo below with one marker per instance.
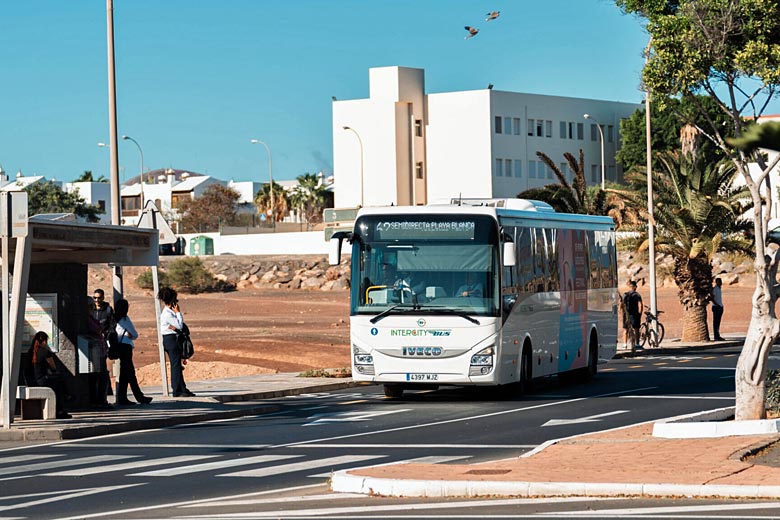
(540, 260)
(525, 259)
(593, 259)
(553, 283)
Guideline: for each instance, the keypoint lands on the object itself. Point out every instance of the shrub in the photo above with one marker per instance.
(773, 390)
(190, 275)
(144, 280)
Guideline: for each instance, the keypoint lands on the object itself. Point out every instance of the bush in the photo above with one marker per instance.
(185, 275)
(773, 390)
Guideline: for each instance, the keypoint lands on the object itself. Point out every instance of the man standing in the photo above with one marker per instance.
(717, 308)
(103, 314)
(632, 302)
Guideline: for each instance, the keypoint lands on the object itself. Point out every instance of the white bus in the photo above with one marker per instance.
(479, 292)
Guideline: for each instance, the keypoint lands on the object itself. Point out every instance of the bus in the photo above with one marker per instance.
(479, 293)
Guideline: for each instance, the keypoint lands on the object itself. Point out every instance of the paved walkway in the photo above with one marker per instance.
(626, 461)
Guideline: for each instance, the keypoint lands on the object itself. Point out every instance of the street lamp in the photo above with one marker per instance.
(270, 179)
(601, 135)
(128, 138)
(360, 141)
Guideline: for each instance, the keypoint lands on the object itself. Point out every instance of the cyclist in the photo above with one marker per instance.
(632, 301)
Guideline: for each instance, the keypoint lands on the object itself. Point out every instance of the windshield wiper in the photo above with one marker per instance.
(401, 308)
(449, 310)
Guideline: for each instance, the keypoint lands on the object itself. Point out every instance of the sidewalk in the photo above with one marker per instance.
(625, 461)
(216, 399)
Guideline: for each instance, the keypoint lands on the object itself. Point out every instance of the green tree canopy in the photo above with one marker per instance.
(281, 201)
(217, 206)
(47, 197)
(88, 177)
(309, 197)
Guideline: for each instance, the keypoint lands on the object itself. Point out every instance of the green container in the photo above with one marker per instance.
(201, 245)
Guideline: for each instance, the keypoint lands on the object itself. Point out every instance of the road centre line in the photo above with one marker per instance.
(462, 419)
(676, 397)
(421, 446)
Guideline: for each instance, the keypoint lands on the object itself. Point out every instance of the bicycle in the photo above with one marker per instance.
(646, 332)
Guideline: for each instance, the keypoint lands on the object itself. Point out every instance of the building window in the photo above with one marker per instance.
(548, 128)
(539, 127)
(531, 127)
(571, 130)
(565, 169)
(594, 173)
(499, 167)
(498, 124)
(531, 169)
(419, 170)
(516, 122)
(518, 168)
(611, 173)
(611, 133)
(102, 205)
(563, 129)
(508, 167)
(594, 132)
(580, 131)
(508, 125)
(418, 127)
(549, 171)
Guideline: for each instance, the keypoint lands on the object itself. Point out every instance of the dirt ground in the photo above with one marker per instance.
(268, 331)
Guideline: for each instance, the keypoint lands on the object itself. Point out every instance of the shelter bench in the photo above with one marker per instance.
(37, 402)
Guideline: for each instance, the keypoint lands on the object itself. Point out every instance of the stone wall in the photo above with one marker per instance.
(731, 269)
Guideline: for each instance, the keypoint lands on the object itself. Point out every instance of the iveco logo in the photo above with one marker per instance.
(421, 351)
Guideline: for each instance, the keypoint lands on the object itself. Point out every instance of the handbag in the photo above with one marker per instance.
(186, 348)
(114, 345)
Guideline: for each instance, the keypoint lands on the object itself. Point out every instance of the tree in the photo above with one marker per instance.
(309, 197)
(577, 197)
(281, 201)
(667, 118)
(87, 177)
(697, 213)
(729, 50)
(47, 197)
(217, 206)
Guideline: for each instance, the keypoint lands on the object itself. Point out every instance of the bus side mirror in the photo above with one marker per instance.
(334, 254)
(509, 254)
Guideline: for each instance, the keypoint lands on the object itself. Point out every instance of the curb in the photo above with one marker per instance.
(343, 482)
(676, 350)
(271, 394)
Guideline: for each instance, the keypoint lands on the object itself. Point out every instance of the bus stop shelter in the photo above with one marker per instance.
(49, 287)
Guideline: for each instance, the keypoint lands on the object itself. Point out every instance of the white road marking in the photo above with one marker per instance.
(144, 463)
(25, 458)
(29, 468)
(665, 397)
(424, 446)
(260, 501)
(590, 418)
(696, 368)
(431, 459)
(332, 417)
(201, 502)
(300, 466)
(208, 466)
(463, 419)
(669, 510)
(65, 495)
(178, 446)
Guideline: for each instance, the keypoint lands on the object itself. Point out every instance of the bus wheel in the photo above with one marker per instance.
(394, 391)
(525, 370)
(589, 372)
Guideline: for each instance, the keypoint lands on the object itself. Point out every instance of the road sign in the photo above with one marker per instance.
(13, 214)
(151, 219)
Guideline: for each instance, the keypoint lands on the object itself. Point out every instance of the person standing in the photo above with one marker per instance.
(171, 323)
(127, 333)
(634, 306)
(103, 317)
(717, 308)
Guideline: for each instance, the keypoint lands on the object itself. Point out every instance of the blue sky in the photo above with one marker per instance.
(196, 79)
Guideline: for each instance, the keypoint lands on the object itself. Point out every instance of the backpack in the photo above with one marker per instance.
(114, 344)
(631, 301)
(186, 348)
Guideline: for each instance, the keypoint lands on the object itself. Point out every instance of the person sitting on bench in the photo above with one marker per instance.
(46, 371)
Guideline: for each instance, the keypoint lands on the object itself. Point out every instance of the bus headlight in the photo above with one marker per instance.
(482, 362)
(363, 361)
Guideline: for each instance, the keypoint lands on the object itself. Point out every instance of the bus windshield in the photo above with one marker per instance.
(425, 263)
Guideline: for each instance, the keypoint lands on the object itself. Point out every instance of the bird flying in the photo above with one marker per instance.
(472, 32)
(492, 15)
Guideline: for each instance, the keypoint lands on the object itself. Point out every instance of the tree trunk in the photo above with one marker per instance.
(695, 327)
(752, 364)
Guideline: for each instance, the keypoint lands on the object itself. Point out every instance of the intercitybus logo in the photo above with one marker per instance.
(420, 332)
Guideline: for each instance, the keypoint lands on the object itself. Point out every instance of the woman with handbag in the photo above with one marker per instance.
(46, 371)
(171, 324)
(127, 333)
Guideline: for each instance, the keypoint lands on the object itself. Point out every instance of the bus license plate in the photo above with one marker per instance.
(422, 377)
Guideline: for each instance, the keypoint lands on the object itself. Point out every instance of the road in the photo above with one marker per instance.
(277, 465)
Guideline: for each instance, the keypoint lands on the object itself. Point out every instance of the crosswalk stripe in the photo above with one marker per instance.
(299, 466)
(25, 458)
(208, 466)
(59, 463)
(430, 459)
(94, 470)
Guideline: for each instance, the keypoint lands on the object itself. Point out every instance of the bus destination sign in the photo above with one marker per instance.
(425, 229)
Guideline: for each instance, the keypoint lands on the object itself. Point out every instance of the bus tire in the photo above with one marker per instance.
(587, 374)
(394, 391)
(526, 369)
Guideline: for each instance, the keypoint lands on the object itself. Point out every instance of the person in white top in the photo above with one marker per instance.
(717, 308)
(126, 333)
(171, 323)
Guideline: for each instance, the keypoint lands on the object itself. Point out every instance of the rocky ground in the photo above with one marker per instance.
(291, 314)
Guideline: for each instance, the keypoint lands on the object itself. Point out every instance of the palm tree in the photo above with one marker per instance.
(309, 197)
(577, 196)
(88, 177)
(281, 201)
(697, 212)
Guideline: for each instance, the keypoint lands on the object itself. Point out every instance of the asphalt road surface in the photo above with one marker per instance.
(278, 465)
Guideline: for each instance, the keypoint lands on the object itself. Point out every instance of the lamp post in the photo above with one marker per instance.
(360, 141)
(601, 136)
(650, 216)
(270, 179)
(141, 176)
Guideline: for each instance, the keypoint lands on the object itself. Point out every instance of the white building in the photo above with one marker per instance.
(402, 145)
(774, 176)
(94, 193)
